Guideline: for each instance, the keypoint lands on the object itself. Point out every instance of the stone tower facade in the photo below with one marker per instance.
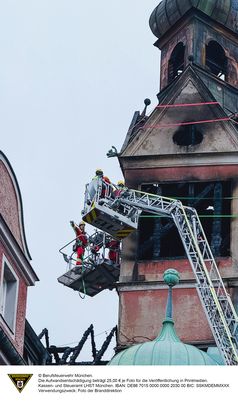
(187, 148)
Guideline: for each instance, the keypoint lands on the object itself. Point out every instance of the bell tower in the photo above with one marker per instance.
(204, 34)
(187, 149)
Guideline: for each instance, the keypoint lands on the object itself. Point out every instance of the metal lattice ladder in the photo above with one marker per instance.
(216, 301)
(214, 297)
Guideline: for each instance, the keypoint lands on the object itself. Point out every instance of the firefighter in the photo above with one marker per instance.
(81, 241)
(114, 248)
(120, 188)
(105, 183)
(108, 188)
(93, 185)
(121, 183)
(96, 243)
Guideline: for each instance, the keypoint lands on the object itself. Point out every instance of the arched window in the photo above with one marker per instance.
(216, 59)
(176, 61)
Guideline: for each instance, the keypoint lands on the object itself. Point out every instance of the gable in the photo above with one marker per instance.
(165, 127)
(11, 204)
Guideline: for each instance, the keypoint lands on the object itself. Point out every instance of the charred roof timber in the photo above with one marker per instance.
(65, 355)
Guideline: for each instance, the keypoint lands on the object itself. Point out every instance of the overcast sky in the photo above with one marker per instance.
(72, 73)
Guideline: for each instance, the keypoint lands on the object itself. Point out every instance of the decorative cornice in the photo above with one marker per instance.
(159, 285)
(180, 160)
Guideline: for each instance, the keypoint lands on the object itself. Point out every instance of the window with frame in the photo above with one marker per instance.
(9, 295)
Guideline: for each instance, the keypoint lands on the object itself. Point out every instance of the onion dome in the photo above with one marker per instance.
(167, 349)
(168, 12)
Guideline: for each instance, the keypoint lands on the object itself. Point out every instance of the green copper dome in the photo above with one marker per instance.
(166, 349)
(168, 12)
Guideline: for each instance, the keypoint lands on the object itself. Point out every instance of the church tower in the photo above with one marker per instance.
(187, 149)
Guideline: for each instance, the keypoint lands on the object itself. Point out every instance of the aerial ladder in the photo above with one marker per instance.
(119, 217)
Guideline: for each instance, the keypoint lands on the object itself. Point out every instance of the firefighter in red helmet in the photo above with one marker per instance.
(81, 241)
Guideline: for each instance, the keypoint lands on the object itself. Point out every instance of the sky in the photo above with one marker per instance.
(72, 73)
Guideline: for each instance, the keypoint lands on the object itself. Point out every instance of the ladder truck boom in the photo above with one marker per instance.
(119, 216)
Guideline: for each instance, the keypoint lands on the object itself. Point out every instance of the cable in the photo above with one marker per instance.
(73, 343)
(233, 121)
(186, 123)
(133, 339)
(166, 106)
(200, 216)
(186, 105)
(83, 283)
(197, 198)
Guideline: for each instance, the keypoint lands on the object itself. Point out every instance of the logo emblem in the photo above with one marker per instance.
(20, 380)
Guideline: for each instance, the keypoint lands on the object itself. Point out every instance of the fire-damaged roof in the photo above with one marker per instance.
(192, 86)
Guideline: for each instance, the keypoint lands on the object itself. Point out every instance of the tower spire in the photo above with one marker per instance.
(171, 278)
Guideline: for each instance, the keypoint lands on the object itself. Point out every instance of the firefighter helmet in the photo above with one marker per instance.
(106, 179)
(99, 172)
(120, 183)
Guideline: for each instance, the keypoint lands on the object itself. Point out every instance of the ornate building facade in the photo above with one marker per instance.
(187, 149)
(18, 342)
